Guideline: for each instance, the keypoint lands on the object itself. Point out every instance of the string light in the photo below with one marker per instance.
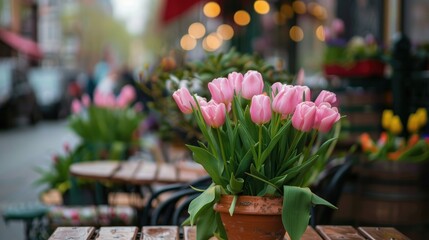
(296, 34)
(242, 18)
(225, 31)
(211, 9)
(187, 42)
(320, 33)
(261, 6)
(197, 30)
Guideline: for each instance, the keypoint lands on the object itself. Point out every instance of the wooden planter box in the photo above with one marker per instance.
(362, 68)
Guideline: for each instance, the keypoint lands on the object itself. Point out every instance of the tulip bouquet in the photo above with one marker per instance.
(391, 146)
(110, 124)
(260, 140)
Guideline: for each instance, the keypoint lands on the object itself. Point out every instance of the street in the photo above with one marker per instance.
(21, 149)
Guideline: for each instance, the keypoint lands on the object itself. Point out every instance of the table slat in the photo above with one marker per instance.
(95, 170)
(75, 233)
(166, 173)
(382, 233)
(146, 173)
(162, 232)
(311, 234)
(119, 233)
(126, 171)
(338, 232)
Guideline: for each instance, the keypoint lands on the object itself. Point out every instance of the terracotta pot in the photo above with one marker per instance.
(253, 218)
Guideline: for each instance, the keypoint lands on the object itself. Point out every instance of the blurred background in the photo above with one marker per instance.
(52, 52)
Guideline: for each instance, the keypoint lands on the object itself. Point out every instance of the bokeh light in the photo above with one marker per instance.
(299, 7)
(320, 33)
(261, 6)
(197, 30)
(296, 33)
(211, 9)
(225, 31)
(187, 42)
(242, 18)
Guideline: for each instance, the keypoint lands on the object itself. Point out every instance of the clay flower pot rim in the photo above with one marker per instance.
(252, 205)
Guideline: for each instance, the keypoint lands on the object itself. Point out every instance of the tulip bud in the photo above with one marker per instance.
(284, 101)
(260, 109)
(326, 117)
(184, 100)
(422, 116)
(252, 85)
(276, 88)
(237, 80)
(76, 106)
(396, 125)
(222, 90)
(386, 119)
(413, 123)
(86, 101)
(304, 116)
(127, 95)
(214, 114)
(326, 96)
(300, 77)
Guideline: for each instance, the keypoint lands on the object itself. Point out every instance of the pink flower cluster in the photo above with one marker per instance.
(108, 100)
(290, 101)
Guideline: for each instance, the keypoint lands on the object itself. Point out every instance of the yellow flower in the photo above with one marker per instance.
(386, 119)
(413, 123)
(422, 116)
(395, 125)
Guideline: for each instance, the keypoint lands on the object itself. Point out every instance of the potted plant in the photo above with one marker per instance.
(260, 143)
(392, 174)
(108, 126)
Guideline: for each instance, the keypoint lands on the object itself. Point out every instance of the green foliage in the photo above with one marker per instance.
(274, 159)
(168, 75)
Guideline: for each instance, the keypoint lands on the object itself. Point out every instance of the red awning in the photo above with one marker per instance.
(174, 8)
(21, 44)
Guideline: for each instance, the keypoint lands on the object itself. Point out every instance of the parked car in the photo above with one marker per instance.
(17, 98)
(51, 88)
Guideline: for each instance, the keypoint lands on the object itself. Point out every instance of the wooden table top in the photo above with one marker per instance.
(137, 172)
(189, 233)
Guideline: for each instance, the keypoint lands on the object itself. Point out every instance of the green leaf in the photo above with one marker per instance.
(235, 185)
(244, 163)
(316, 200)
(296, 210)
(273, 143)
(211, 164)
(232, 207)
(205, 200)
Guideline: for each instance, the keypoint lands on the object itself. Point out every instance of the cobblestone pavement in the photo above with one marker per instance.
(21, 149)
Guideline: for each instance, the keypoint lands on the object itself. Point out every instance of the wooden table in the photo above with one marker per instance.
(189, 233)
(137, 172)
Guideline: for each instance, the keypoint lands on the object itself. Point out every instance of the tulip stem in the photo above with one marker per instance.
(258, 166)
(222, 151)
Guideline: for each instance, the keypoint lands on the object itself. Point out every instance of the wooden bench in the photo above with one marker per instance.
(189, 233)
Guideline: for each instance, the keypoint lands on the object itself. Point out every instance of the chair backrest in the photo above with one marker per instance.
(330, 188)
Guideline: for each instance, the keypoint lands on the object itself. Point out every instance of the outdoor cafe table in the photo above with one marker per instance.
(189, 233)
(137, 172)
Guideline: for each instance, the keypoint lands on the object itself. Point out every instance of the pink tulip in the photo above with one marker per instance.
(127, 95)
(214, 114)
(104, 99)
(300, 77)
(260, 109)
(76, 106)
(276, 88)
(222, 90)
(303, 93)
(237, 80)
(86, 101)
(326, 117)
(252, 85)
(304, 116)
(285, 101)
(326, 96)
(138, 107)
(184, 100)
